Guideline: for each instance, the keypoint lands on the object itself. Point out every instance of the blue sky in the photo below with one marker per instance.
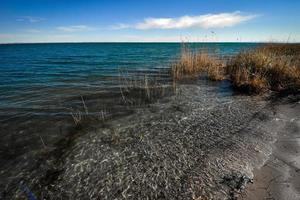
(149, 21)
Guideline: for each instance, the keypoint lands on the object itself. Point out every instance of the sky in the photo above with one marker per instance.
(30, 21)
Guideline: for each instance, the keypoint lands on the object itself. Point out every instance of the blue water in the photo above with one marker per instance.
(33, 75)
(39, 82)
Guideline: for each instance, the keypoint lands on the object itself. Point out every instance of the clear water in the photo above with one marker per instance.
(39, 82)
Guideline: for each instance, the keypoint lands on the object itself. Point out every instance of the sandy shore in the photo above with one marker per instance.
(279, 178)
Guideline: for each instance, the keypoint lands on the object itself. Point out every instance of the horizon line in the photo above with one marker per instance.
(175, 42)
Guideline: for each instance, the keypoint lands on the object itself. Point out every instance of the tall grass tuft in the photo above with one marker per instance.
(270, 67)
(191, 63)
(142, 89)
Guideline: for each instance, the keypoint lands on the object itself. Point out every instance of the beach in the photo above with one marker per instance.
(279, 177)
(149, 100)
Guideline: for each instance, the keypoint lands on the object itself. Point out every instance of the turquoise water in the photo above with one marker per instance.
(33, 75)
(39, 83)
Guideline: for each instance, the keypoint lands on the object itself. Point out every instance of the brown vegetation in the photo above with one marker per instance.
(191, 63)
(270, 67)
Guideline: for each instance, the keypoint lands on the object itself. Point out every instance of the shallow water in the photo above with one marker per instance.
(34, 76)
(202, 142)
(40, 83)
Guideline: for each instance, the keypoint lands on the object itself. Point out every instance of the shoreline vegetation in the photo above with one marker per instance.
(269, 67)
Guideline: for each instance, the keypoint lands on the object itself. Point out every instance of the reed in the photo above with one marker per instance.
(269, 67)
(191, 63)
(141, 89)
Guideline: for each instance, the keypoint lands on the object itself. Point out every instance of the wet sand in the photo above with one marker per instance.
(279, 178)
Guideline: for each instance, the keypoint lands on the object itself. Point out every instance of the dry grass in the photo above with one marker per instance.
(78, 115)
(270, 67)
(81, 115)
(192, 63)
(216, 72)
(140, 90)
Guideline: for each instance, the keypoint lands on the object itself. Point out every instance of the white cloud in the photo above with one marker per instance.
(220, 20)
(75, 28)
(120, 26)
(30, 19)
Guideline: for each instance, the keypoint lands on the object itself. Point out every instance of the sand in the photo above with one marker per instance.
(279, 178)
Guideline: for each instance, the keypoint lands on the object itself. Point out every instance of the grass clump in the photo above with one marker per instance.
(270, 67)
(141, 90)
(192, 63)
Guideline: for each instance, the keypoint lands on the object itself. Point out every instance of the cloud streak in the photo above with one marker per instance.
(76, 28)
(206, 21)
(30, 19)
